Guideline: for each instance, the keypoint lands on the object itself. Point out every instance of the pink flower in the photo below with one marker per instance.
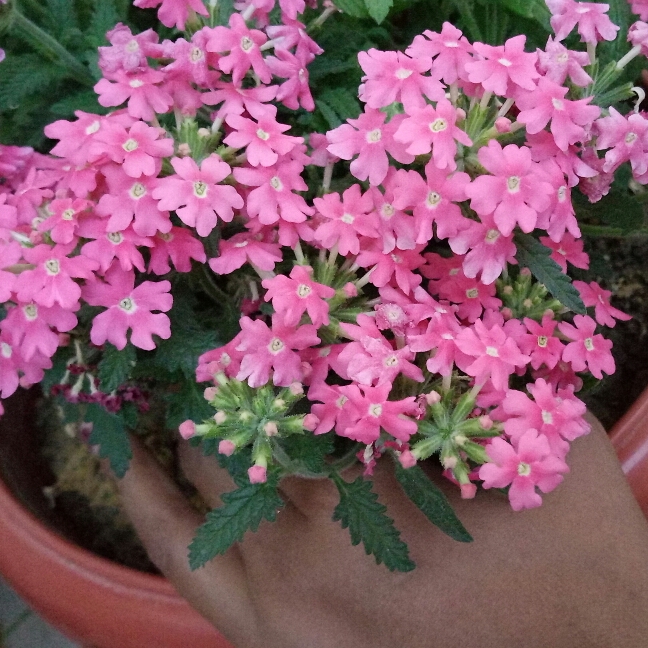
(128, 51)
(540, 343)
(513, 194)
(524, 465)
(63, 222)
(567, 249)
(396, 267)
(52, 280)
(640, 7)
(129, 307)
(496, 354)
(451, 49)
(10, 253)
(245, 248)
(394, 76)
(369, 411)
(591, 18)
(234, 100)
(370, 139)
(273, 349)
(569, 119)
(295, 295)
(174, 13)
(179, 246)
(11, 362)
(429, 129)
(141, 89)
(627, 139)
(196, 196)
(243, 45)
(295, 91)
(263, 140)
(587, 350)
(504, 68)
(557, 63)
(604, 312)
(348, 218)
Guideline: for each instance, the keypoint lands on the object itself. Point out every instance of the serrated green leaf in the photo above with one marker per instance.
(431, 501)
(188, 403)
(532, 9)
(360, 511)
(537, 257)
(54, 375)
(23, 75)
(85, 100)
(243, 509)
(310, 450)
(354, 8)
(378, 9)
(328, 113)
(109, 433)
(343, 101)
(115, 366)
(104, 17)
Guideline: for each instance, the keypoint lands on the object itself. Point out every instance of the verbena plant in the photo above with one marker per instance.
(311, 274)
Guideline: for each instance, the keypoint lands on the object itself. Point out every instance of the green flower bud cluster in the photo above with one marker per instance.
(525, 297)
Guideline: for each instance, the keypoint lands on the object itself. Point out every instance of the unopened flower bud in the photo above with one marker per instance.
(433, 397)
(63, 339)
(507, 290)
(184, 149)
(407, 459)
(527, 303)
(187, 429)
(204, 132)
(468, 491)
(507, 313)
(220, 417)
(296, 389)
(279, 403)
(310, 422)
(210, 393)
(226, 447)
(270, 428)
(525, 272)
(350, 290)
(449, 462)
(503, 125)
(460, 439)
(486, 422)
(258, 474)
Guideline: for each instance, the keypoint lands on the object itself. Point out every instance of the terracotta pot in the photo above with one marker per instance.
(92, 600)
(630, 440)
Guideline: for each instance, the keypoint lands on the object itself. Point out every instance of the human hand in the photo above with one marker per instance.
(569, 574)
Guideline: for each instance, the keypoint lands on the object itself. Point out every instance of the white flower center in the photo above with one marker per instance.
(196, 55)
(374, 136)
(387, 211)
(562, 58)
(136, 83)
(589, 344)
(558, 104)
(31, 312)
(137, 191)
(492, 352)
(67, 215)
(542, 341)
(276, 183)
(433, 199)
(165, 237)
(630, 137)
(115, 237)
(472, 293)
(562, 194)
(200, 189)
(447, 336)
(451, 44)
(275, 346)
(262, 135)
(347, 218)
(396, 258)
(303, 290)
(375, 410)
(93, 128)
(241, 244)
(6, 350)
(505, 62)
(492, 235)
(225, 359)
(52, 267)
(130, 145)
(402, 73)
(547, 418)
(438, 125)
(127, 305)
(523, 469)
(131, 46)
(513, 184)
(390, 361)
(246, 43)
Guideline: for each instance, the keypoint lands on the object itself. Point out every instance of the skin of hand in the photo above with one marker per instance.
(570, 574)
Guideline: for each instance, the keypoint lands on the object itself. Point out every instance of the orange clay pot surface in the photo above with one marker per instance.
(92, 600)
(630, 440)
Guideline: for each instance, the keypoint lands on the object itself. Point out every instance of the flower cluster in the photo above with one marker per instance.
(400, 305)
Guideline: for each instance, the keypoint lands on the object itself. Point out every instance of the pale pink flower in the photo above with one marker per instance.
(225, 359)
(273, 349)
(295, 91)
(235, 101)
(524, 465)
(174, 13)
(192, 61)
(370, 139)
(397, 267)
(243, 45)
(145, 98)
(557, 62)
(540, 343)
(587, 351)
(593, 295)
(63, 222)
(245, 248)
(196, 195)
(264, 140)
(179, 246)
(567, 249)
(640, 7)
(128, 51)
(570, 120)
(394, 76)
(504, 68)
(513, 193)
(560, 216)
(626, 137)
(433, 129)
(591, 17)
(298, 294)
(369, 411)
(52, 279)
(129, 307)
(348, 218)
(496, 354)
(450, 50)
(129, 200)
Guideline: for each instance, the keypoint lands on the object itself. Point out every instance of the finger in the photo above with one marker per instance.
(166, 525)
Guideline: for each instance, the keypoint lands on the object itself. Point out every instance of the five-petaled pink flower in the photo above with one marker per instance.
(587, 351)
(593, 295)
(591, 17)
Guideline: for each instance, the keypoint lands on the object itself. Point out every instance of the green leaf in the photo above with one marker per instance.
(378, 9)
(432, 502)
(23, 75)
(535, 256)
(187, 403)
(54, 375)
(532, 9)
(104, 17)
(115, 367)
(360, 511)
(85, 100)
(354, 8)
(309, 449)
(109, 433)
(343, 101)
(243, 509)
